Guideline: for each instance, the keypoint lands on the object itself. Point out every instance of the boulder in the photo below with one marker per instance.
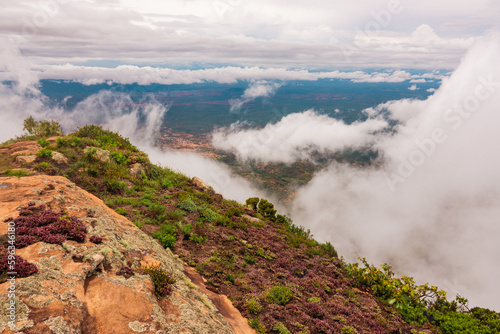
(251, 219)
(25, 159)
(24, 148)
(198, 183)
(100, 154)
(53, 140)
(78, 288)
(137, 169)
(59, 158)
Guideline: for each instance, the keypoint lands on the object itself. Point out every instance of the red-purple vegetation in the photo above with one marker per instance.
(22, 268)
(37, 223)
(96, 239)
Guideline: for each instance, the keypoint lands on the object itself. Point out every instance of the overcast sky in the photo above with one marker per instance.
(314, 34)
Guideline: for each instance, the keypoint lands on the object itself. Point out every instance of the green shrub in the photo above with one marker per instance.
(255, 324)
(230, 277)
(252, 202)
(234, 211)
(174, 215)
(62, 142)
(119, 158)
(121, 211)
(349, 330)
(186, 229)
(42, 128)
(316, 300)
(42, 167)
(279, 294)
(266, 209)
(187, 204)
(43, 143)
(253, 306)
(281, 329)
(115, 187)
(249, 259)
(17, 172)
(196, 238)
(209, 214)
(44, 153)
(167, 235)
(105, 139)
(163, 280)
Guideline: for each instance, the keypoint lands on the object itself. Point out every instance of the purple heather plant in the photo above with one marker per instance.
(96, 239)
(37, 223)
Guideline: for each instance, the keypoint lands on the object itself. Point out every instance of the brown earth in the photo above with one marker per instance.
(89, 297)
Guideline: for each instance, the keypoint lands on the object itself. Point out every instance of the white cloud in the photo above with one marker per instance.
(296, 137)
(255, 90)
(128, 74)
(413, 87)
(326, 35)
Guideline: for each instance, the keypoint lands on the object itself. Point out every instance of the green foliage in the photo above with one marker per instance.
(186, 229)
(42, 142)
(196, 238)
(349, 330)
(17, 172)
(42, 128)
(255, 324)
(279, 294)
(253, 306)
(162, 280)
(281, 329)
(266, 209)
(316, 300)
(328, 249)
(106, 139)
(249, 259)
(121, 211)
(209, 215)
(116, 187)
(167, 235)
(234, 211)
(42, 166)
(252, 202)
(44, 153)
(154, 207)
(230, 277)
(119, 158)
(420, 304)
(187, 204)
(174, 215)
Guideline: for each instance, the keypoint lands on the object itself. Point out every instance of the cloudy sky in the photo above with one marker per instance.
(180, 34)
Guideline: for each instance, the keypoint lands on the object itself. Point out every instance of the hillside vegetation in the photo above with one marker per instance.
(273, 271)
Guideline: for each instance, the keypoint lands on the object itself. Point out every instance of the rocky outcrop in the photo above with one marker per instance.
(100, 154)
(78, 287)
(136, 170)
(24, 148)
(25, 159)
(53, 140)
(59, 158)
(199, 183)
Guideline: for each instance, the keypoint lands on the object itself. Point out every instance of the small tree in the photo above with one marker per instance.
(42, 128)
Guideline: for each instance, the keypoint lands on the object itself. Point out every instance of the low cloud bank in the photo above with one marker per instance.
(296, 137)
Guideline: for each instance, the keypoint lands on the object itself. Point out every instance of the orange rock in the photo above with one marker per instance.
(87, 295)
